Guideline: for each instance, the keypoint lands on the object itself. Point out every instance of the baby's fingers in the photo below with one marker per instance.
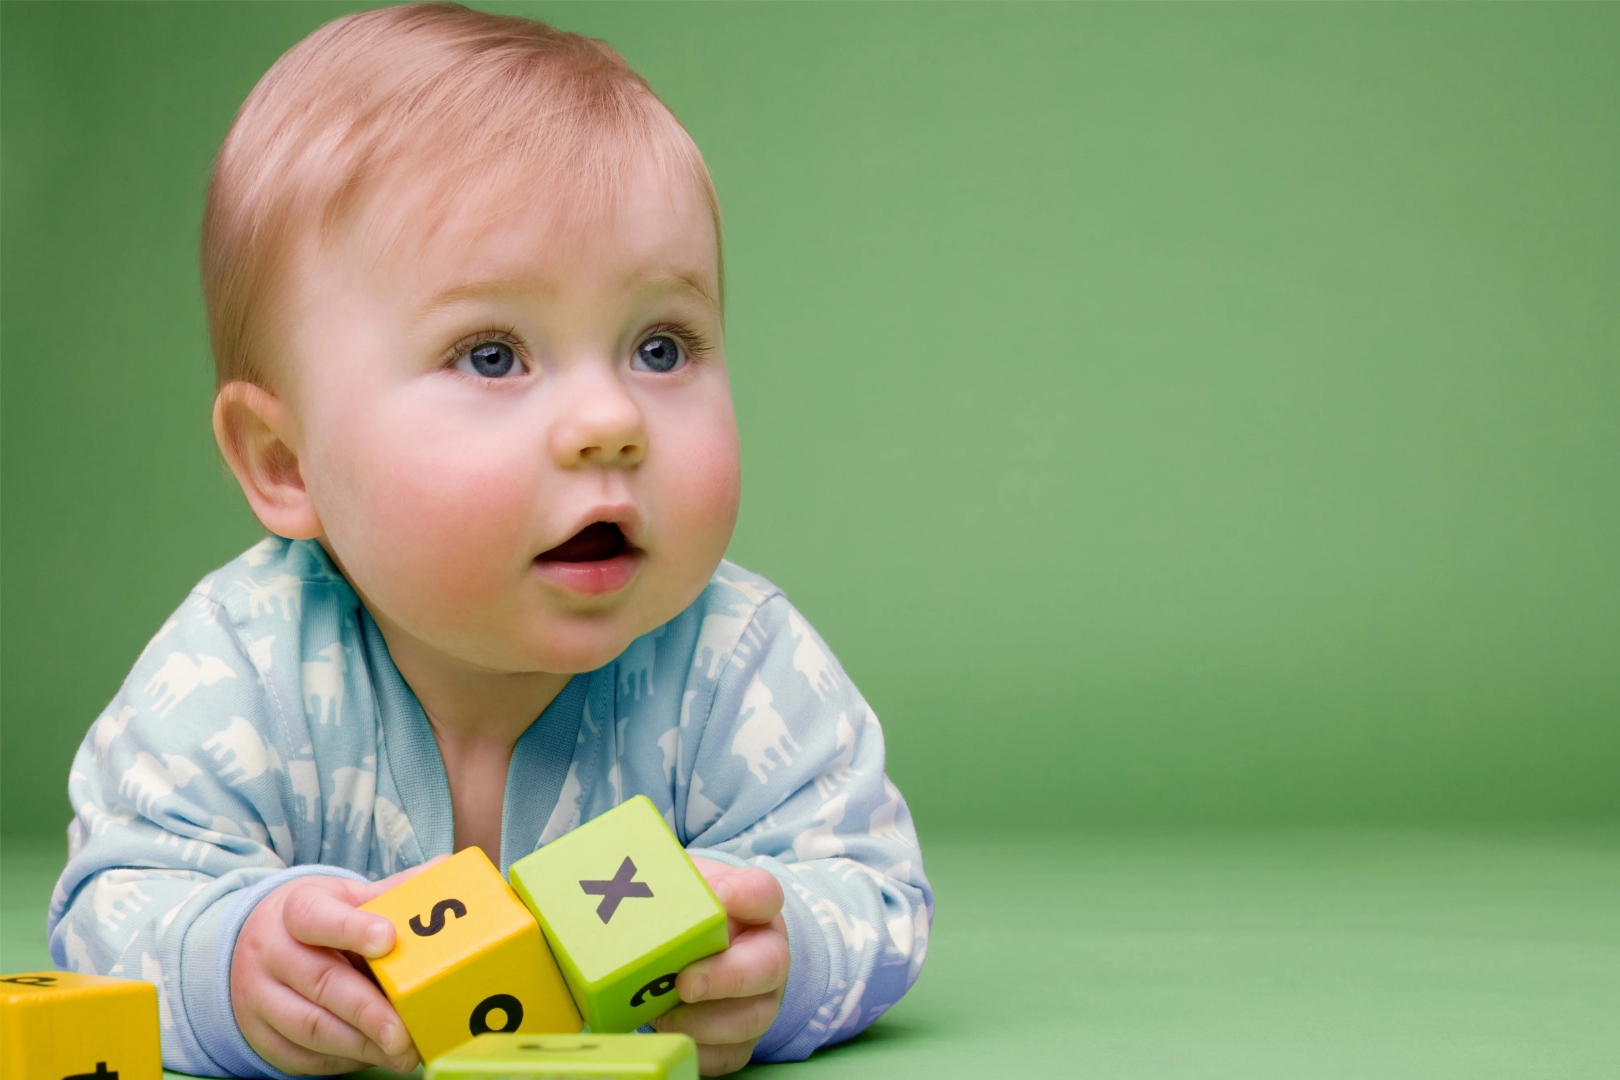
(756, 963)
(333, 985)
(323, 1044)
(735, 1020)
(719, 1060)
(288, 1056)
(317, 917)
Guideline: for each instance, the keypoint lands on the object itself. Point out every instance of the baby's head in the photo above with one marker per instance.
(464, 294)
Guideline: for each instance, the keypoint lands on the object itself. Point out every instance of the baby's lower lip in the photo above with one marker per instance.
(597, 578)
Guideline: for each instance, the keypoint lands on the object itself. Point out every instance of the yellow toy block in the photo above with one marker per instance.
(468, 958)
(570, 1057)
(59, 1025)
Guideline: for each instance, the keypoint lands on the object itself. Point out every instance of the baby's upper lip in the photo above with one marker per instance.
(623, 515)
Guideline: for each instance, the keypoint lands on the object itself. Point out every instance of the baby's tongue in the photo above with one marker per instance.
(602, 540)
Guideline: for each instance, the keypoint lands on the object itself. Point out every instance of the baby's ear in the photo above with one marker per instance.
(251, 427)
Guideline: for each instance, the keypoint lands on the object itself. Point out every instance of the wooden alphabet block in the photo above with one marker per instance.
(624, 909)
(468, 958)
(567, 1057)
(59, 1025)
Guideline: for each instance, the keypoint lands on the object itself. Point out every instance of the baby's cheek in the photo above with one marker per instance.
(702, 496)
(438, 529)
(467, 519)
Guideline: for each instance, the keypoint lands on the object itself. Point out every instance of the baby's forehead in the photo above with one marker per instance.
(422, 246)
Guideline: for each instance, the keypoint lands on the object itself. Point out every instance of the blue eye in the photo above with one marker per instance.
(660, 353)
(490, 360)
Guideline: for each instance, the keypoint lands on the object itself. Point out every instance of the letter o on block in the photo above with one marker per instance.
(509, 1008)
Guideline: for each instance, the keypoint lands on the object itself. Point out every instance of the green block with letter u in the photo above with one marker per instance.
(569, 1057)
(624, 909)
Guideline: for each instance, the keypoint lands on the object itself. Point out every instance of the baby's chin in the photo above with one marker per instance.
(570, 642)
(573, 655)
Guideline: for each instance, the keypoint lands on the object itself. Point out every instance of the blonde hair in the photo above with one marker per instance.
(434, 96)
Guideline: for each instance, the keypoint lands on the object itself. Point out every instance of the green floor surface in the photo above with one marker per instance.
(1300, 954)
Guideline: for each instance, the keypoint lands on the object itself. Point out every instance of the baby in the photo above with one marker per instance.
(465, 299)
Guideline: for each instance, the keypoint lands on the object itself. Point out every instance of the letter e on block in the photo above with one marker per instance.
(60, 1025)
(624, 909)
(468, 958)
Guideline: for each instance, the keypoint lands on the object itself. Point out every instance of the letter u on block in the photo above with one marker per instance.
(570, 1057)
(468, 958)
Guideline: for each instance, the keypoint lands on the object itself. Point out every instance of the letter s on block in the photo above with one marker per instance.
(435, 921)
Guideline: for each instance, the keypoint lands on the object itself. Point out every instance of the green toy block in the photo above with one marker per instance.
(624, 909)
(565, 1057)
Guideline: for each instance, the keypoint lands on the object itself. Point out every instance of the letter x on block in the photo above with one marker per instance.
(619, 888)
(621, 941)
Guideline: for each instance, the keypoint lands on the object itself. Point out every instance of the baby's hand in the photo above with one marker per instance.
(299, 997)
(733, 996)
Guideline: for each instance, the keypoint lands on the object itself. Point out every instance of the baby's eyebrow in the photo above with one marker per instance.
(693, 283)
(679, 280)
(460, 294)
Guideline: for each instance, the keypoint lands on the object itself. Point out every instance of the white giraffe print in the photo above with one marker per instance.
(323, 684)
(180, 675)
(281, 594)
(762, 733)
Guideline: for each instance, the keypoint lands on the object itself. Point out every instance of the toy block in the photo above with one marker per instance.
(566, 1057)
(624, 909)
(59, 1025)
(468, 958)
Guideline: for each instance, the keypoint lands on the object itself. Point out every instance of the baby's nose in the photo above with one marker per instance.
(612, 452)
(601, 426)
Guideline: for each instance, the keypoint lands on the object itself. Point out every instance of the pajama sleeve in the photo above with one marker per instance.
(186, 814)
(788, 774)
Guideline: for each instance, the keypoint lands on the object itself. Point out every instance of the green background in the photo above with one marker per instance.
(1168, 413)
(1196, 428)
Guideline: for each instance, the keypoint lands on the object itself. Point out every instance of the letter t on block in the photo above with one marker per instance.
(468, 958)
(624, 909)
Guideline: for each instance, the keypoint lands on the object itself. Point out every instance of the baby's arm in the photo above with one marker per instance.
(788, 776)
(186, 819)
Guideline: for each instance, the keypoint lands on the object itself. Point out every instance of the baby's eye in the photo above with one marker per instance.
(660, 353)
(490, 360)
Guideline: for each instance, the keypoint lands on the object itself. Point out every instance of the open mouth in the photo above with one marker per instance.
(596, 542)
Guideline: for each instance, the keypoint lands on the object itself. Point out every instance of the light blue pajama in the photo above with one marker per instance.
(265, 734)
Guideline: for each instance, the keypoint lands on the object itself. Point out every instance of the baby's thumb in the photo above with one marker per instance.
(332, 919)
(374, 940)
(751, 895)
